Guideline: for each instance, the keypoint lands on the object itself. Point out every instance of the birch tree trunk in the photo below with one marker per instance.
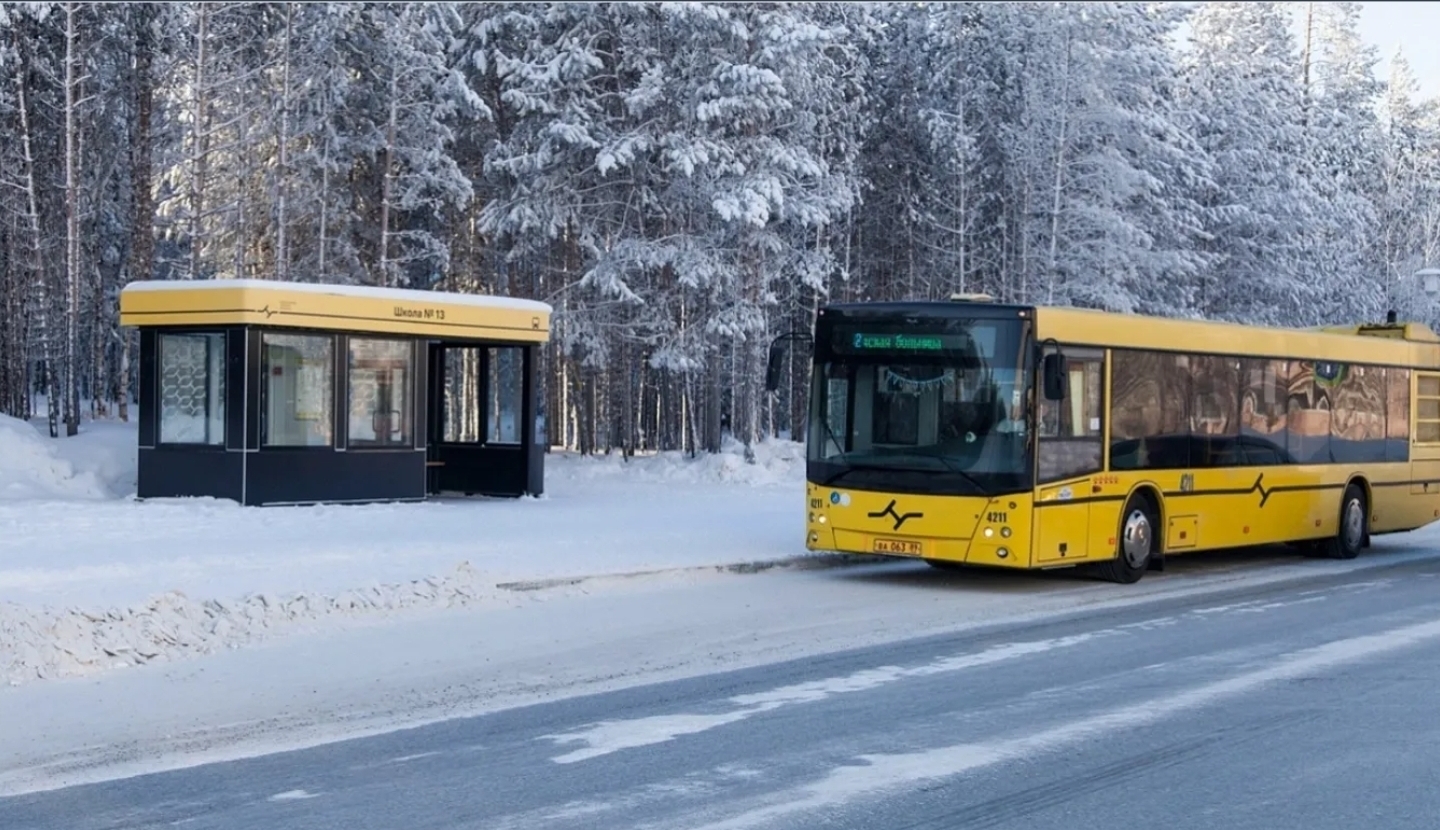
(142, 207)
(282, 170)
(201, 133)
(1306, 60)
(242, 217)
(43, 321)
(385, 181)
(100, 320)
(1057, 188)
(71, 377)
(324, 240)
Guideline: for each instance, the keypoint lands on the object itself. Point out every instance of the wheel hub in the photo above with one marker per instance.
(1136, 539)
(1354, 526)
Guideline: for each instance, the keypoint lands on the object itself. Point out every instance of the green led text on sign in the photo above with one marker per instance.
(899, 342)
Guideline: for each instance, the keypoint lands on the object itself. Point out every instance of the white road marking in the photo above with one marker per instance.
(614, 735)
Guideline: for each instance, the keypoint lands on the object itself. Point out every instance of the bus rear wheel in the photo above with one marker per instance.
(1350, 537)
(1136, 544)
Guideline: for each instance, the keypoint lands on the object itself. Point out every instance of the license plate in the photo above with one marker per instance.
(904, 547)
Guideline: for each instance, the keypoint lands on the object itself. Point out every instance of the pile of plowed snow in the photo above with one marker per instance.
(91, 580)
(31, 469)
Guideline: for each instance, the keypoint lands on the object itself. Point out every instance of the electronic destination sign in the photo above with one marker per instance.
(957, 341)
(862, 342)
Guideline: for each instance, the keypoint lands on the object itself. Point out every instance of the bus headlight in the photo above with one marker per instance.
(989, 531)
(1005, 532)
(1002, 553)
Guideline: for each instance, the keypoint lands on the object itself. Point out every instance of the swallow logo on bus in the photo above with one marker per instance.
(1259, 487)
(900, 518)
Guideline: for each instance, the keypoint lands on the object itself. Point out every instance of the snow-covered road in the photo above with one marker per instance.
(357, 620)
(729, 637)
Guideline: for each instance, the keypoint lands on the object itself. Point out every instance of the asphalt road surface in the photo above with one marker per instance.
(1310, 703)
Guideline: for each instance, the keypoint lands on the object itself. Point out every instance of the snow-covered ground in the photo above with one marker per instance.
(365, 619)
(91, 579)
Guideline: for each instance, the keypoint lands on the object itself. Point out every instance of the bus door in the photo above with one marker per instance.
(1070, 452)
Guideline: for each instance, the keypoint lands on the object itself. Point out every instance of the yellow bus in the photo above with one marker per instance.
(972, 432)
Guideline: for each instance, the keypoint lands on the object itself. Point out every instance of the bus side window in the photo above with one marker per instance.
(1149, 410)
(1070, 429)
(1214, 412)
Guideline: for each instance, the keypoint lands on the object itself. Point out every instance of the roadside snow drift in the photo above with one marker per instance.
(31, 468)
(91, 579)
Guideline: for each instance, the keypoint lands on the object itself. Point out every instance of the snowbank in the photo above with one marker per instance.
(31, 468)
(47, 643)
(91, 579)
(104, 451)
(775, 462)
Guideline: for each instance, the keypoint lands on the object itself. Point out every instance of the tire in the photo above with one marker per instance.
(1354, 528)
(1135, 545)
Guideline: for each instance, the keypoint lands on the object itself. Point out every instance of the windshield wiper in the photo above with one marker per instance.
(834, 439)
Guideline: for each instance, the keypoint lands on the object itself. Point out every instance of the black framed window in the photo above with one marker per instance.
(192, 388)
(1070, 430)
(1214, 412)
(462, 408)
(379, 381)
(1427, 408)
(1149, 410)
(1397, 414)
(1264, 410)
(299, 390)
(504, 394)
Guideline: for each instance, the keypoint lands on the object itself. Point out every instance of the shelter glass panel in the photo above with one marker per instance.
(299, 390)
(381, 409)
(504, 395)
(192, 388)
(464, 417)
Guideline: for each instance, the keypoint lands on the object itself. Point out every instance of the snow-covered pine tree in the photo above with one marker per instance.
(415, 94)
(1343, 149)
(1408, 196)
(1240, 81)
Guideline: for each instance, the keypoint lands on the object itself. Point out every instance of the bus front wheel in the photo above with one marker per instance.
(1136, 545)
(1349, 538)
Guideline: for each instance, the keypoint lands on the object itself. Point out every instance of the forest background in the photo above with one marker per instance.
(685, 182)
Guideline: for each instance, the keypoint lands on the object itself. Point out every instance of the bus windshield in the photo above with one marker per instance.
(939, 409)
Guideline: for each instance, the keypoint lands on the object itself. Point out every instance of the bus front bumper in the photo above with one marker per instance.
(974, 530)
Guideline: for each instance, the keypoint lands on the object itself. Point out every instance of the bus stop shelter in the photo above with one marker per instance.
(296, 393)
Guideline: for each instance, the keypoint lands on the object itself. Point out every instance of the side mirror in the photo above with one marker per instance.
(772, 366)
(1054, 377)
